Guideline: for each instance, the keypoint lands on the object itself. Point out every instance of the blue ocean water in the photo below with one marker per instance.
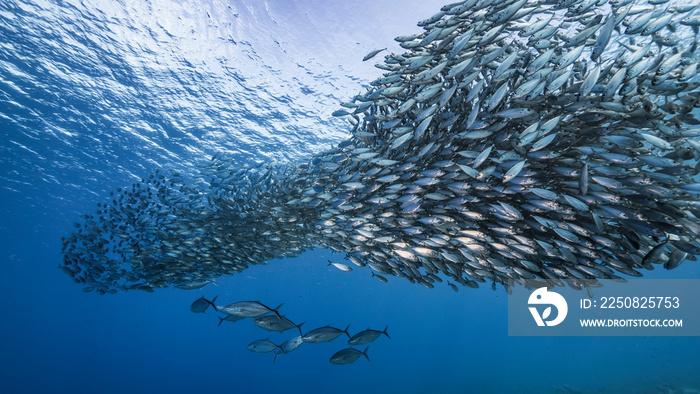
(96, 94)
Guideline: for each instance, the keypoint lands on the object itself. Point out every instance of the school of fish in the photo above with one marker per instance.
(270, 319)
(531, 142)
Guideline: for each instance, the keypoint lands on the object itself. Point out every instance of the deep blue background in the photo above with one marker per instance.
(72, 131)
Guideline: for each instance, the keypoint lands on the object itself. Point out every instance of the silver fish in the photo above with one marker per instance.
(201, 304)
(231, 318)
(324, 334)
(372, 54)
(340, 266)
(348, 356)
(366, 336)
(291, 344)
(248, 309)
(276, 323)
(262, 346)
(195, 284)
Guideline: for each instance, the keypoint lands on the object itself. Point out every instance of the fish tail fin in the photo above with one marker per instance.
(365, 354)
(275, 359)
(346, 331)
(372, 272)
(221, 320)
(329, 262)
(213, 300)
(276, 311)
(299, 328)
(385, 333)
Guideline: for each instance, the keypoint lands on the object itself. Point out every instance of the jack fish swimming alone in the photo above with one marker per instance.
(532, 142)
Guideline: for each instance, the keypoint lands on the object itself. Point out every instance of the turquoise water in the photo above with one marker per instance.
(98, 94)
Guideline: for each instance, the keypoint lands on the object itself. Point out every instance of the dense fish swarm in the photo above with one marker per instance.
(532, 142)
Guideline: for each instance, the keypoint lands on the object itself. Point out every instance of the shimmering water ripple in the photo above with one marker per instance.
(99, 93)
